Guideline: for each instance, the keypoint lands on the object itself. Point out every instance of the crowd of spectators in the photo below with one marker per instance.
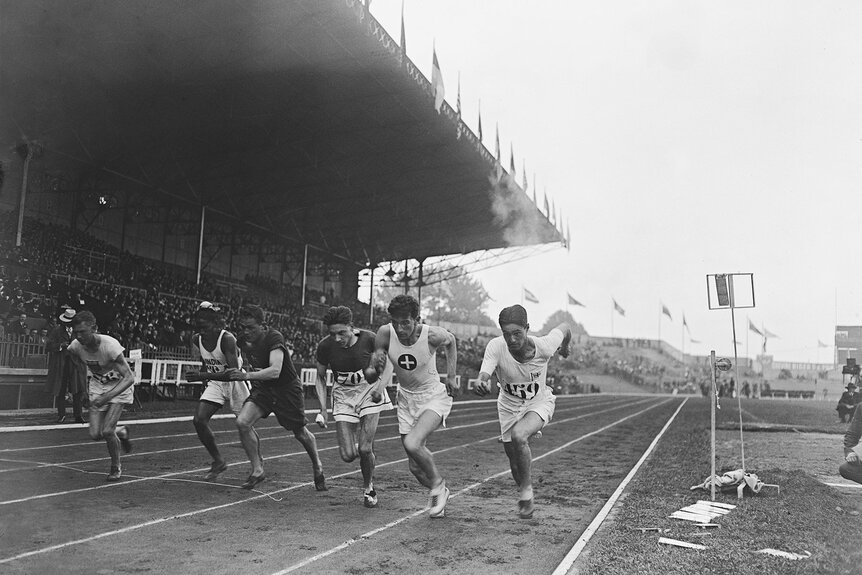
(142, 303)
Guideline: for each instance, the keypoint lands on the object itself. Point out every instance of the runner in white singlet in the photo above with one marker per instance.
(423, 402)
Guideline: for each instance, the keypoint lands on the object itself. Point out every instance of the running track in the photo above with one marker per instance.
(57, 513)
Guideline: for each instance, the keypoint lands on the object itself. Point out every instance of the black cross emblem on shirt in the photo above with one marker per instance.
(407, 362)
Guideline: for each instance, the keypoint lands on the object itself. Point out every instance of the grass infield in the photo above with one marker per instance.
(806, 516)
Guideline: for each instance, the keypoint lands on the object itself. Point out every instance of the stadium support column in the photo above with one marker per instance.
(201, 242)
(371, 299)
(304, 274)
(28, 150)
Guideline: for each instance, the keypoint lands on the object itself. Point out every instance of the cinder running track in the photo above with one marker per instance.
(58, 515)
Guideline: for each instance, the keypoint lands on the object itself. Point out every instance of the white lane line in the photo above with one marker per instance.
(181, 418)
(167, 476)
(318, 432)
(276, 492)
(597, 521)
(850, 485)
(369, 534)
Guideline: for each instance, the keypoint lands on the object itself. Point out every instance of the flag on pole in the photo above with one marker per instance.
(528, 295)
(685, 324)
(693, 340)
(437, 82)
(458, 106)
(821, 344)
(480, 120)
(753, 328)
(767, 333)
(497, 152)
(573, 301)
(403, 35)
(666, 312)
(535, 203)
(618, 308)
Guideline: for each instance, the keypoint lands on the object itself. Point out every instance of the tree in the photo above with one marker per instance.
(460, 298)
(559, 317)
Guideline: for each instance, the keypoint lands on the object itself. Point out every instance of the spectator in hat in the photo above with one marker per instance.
(19, 327)
(66, 373)
(847, 403)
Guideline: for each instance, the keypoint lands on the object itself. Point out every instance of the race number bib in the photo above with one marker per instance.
(526, 390)
(349, 377)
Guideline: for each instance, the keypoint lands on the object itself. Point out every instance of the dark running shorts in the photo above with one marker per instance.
(283, 400)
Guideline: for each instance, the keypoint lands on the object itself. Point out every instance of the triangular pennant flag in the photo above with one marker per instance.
(573, 301)
(528, 295)
(618, 308)
(666, 312)
(437, 83)
(752, 327)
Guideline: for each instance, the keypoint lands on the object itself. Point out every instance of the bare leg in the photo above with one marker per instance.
(248, 416)
(306, 438)
(201, 422)
(520, 455)
(346, 440)
(421, 461)
(110, 430)
(367, 459)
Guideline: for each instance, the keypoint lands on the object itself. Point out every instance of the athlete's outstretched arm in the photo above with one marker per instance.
(565, 349)
(378, 358)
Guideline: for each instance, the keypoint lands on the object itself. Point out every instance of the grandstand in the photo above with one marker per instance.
(231, 151)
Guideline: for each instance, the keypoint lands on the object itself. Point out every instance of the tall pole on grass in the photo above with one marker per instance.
(712, 396)
(736, 364)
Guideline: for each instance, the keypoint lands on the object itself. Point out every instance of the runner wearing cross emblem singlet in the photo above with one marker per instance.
(423, 401)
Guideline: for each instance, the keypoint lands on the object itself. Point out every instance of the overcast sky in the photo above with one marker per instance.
(679, 138)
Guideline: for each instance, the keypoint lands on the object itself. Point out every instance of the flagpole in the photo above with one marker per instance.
(612, 320)
(736, 364)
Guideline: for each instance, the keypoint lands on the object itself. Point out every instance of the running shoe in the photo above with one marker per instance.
(253, 480)
(126, 441)
(370, 499)
(115, 474)
(320, 483)
(437, 505)
(215, 469)
(526, 508)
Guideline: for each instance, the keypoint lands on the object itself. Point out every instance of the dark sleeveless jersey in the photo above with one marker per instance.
(257, 356)
(344, 363)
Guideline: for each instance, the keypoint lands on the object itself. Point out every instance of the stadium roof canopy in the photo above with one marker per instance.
(299, 118)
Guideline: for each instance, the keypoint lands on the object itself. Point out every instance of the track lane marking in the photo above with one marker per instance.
(192, 513)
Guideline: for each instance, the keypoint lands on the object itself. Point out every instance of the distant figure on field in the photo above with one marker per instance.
(852, 467)
(847, 403)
